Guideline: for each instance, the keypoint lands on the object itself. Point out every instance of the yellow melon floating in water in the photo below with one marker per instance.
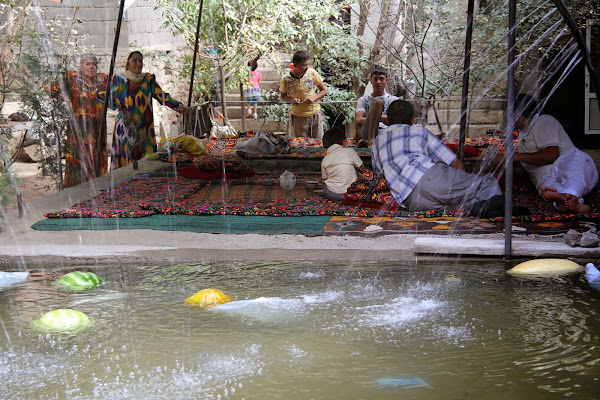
(545, 267)
(208, 298)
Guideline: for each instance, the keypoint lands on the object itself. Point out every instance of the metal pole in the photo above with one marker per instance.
(243, 107)
(102, 141)
(189, 103)
(510, 127)
(465, 88)
(581, 43)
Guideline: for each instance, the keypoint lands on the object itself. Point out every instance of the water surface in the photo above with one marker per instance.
(306, 330)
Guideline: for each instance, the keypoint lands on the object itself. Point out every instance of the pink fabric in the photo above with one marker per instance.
(255, 78)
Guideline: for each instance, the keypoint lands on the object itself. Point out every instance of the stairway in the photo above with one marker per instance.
(484, 115)
(270, 82)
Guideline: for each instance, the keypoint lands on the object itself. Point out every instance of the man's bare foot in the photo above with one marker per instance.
(572, 203)
(551, 194)
(559, 199)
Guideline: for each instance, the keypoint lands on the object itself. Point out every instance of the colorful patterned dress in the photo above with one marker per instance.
(134, 126)
(86, 156)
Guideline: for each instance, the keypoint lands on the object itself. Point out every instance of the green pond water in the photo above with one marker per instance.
(305, 330)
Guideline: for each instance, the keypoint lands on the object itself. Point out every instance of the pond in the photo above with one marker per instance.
(305, 330)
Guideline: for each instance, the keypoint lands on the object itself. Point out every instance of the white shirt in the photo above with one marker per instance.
(364, 103)
(338, 168)
(544, 131)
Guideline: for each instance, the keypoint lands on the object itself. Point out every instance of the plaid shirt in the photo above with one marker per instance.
(404, 153)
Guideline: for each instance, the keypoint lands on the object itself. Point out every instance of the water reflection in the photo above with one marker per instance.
(305, 330)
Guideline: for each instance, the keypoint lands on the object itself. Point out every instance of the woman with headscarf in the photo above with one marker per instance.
(86, 155)
(132, 93)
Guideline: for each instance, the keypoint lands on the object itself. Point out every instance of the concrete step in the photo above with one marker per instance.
(269, 75)
(265, 86)
(476, 116)
(235, 112)
(233, 100)
(454, 103)
(256, 125)
(473, 130)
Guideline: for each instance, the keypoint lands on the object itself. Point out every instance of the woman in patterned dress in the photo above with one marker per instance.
(86, 156)
(132, 93)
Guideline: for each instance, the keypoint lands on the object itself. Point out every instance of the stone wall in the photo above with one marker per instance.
(167, 66)
(99, 22)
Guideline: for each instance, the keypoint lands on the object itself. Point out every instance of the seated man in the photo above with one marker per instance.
(561, 172)
(423, 174)
(371, 109)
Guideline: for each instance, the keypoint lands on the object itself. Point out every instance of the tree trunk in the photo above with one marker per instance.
(222, 79)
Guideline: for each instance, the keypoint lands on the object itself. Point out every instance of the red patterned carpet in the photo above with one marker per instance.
(144, 196)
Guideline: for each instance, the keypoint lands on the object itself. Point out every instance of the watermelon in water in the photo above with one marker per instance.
(80, 280)
(64, 320)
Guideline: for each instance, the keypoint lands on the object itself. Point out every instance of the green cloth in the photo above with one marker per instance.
(192, 223)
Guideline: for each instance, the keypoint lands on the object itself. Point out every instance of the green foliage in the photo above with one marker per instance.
(434, 42)
(40, 54)
(240, 30)
(8, 180)
(340, 103)
(276, 111)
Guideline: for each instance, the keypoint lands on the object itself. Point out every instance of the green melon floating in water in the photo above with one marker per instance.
(64, 320)
(80, 280)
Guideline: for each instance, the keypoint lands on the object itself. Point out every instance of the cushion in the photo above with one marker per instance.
(470, 151)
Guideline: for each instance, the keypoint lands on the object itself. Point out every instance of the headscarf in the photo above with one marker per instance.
(131, 76)
(84, 83)
(87, 56)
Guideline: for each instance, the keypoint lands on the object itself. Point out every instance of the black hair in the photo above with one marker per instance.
(333, 136)
(300, 56)
(400, 112)
(525, 105)
(379, 71)
(253, 65)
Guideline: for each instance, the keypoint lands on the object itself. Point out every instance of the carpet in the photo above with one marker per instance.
(123, 199)
(375, 226)
(150, 202)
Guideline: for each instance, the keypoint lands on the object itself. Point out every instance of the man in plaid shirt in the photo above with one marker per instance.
(423, 174)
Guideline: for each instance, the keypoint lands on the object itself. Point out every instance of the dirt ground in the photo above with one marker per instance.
(33, 184)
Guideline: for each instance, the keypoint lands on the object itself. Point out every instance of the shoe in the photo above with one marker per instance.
(255, 116)
(490, 208)
(518, 211)
(494, 207)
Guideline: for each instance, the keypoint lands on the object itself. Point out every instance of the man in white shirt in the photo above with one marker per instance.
(371, 109)
(561, 172)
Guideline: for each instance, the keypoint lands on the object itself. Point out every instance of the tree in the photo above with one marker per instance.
(35, 53)
(424, 40)
(235, 31)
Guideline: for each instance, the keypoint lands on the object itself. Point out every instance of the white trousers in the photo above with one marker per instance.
(573, 172)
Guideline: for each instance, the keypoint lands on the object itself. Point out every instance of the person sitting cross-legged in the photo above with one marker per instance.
(423, 174)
